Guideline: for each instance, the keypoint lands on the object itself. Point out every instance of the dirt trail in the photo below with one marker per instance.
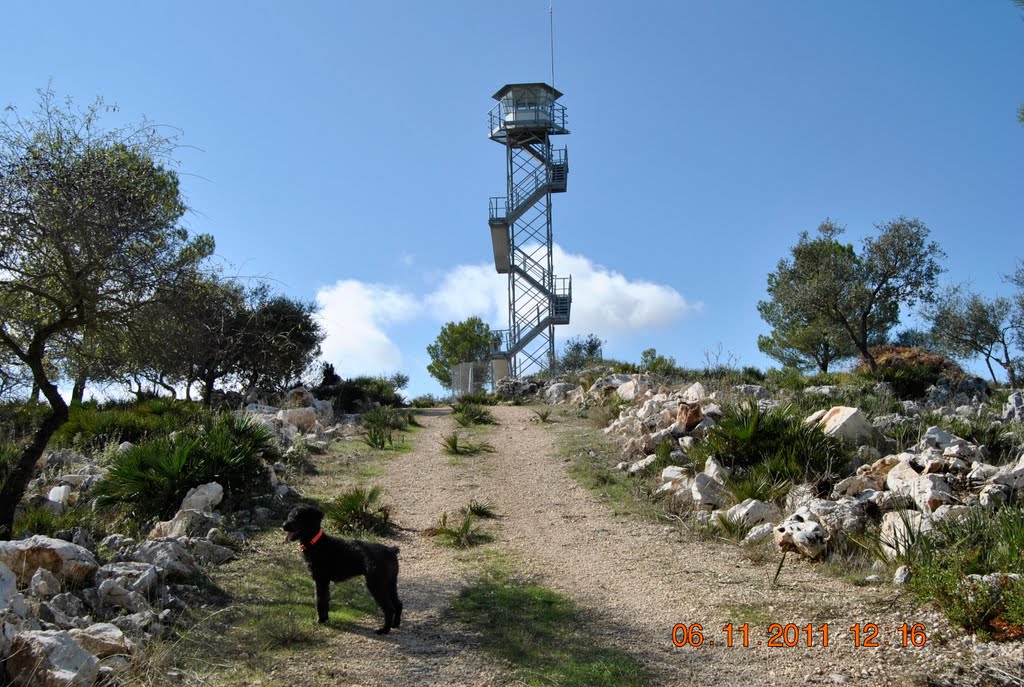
(634, 580)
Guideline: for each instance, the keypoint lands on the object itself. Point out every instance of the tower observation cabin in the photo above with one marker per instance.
(524, 120)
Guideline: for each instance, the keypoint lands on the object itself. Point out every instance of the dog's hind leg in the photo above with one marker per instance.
(382, 595)
(323, 599)
(396, 603)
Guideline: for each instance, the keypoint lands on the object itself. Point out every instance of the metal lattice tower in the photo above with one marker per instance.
(523, 121)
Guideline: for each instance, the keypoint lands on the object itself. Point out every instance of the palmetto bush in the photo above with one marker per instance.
(468, 414)
(359, 510)
(772, 446)
(150, 479)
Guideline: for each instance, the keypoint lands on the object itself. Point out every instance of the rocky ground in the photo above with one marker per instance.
(638, 583)
(635, 580)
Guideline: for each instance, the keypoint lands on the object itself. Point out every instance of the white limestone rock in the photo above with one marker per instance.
(113, 595)
(69, 562)
(753, 512)
(50, 658)
(994, 496)
(899, 529)
(1013, 411)
(673, 473)
(167, 555)
(641, 465)
(44, 584)
(8, 587)
(715, 470)
(755, 391)
(300, 397)
(208, 553)
(708, 492)
(60, 494)
(694, 393)
(759, 533)
(930, 491)
(203, 498)
(103, 639)
(302, 418)
(849, 425)
(900, 477)
(185, 523)
(557, 393)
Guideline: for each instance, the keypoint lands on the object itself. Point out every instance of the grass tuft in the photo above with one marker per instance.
(456, 446)
(462, 535)
(359, 510)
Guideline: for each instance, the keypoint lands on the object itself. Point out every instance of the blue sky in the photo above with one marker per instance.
(341, 149)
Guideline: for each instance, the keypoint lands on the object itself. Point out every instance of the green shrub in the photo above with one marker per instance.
(10, 454)
(19, 419)
(359, 510)
(354, 395)
(390, 418)
(91, 427)
(1004, 442)
(775, 439)
(480, 398)
(468, 414)
(150, 479)
(910, 370)
(47, 522)
(480, 509)
(380, 438)
(426, 401)
(979, 543)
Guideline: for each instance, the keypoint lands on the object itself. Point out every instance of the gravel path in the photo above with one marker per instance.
(634, 581)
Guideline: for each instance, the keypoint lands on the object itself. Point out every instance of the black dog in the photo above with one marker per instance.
(330, 559)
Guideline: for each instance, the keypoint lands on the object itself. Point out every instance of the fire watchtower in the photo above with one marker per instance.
(523, 121)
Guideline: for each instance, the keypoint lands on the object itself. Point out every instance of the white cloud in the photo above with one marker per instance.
(470, 290)
(605, 302)
(355, 316)
(358, 317)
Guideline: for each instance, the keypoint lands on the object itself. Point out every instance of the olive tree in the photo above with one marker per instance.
(89, 233)
(829, 284)
(969, 325)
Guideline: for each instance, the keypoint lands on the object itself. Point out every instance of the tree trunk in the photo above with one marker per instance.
(34, 396)
(78, 390)
(208, 390)
(165, 385)
(17, 481)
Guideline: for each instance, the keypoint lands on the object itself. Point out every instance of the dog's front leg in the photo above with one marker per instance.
(323, 599)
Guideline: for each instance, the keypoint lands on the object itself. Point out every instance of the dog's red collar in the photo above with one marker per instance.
(312, 541)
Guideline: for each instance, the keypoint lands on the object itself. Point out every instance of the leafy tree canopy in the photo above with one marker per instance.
(468, 341)
(828, 285)
(89, 235)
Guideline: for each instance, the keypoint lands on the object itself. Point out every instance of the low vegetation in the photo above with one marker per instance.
(360, 510)
(468, 414)
(149, 479)
(947, 562)
(455, 445)
(541, 634)
(462, 534)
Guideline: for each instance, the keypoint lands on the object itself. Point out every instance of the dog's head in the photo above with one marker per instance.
(303, 523)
